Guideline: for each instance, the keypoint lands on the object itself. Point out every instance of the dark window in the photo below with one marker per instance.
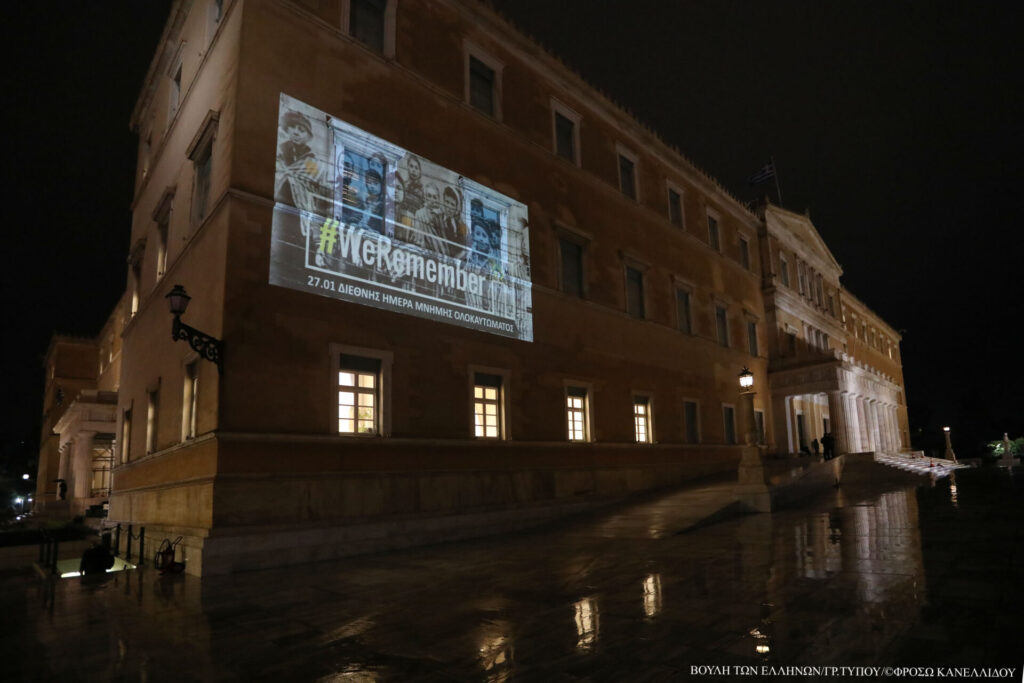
(201, 197)
(729, 417)
(713, 239)
(759, 423)
(752, 337)
(675, 208)
(745, 253)
(174, 95)
(572, 268)
(722, 325)
(634, 292)
(683, 311)
(366, 23)
(481, 86)
(784, 271)
(627, 177)
(565, 137)
(692, 426)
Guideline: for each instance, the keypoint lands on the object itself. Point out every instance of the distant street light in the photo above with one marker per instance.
(25, 477)
(950, 455)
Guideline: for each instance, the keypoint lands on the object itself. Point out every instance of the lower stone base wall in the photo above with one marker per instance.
(314, 502)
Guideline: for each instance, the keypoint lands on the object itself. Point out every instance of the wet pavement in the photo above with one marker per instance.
(926, 576)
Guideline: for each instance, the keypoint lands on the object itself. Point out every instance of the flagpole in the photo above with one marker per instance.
(775, 169)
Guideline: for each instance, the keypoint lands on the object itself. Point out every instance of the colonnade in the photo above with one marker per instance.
(862, 423)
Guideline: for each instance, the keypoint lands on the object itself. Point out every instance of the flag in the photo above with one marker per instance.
(766, 172)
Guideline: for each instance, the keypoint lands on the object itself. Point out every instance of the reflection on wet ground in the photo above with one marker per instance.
(927, 576)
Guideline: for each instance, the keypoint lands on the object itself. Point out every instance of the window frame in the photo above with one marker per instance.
(175, 77)
(640, 270)
(200, 152)
(670, 189)
(559, 108)
(502, 400)
(389, 25)
(646, 399)
(753, 343)
(696, 421)
(190, 399)
(153, 418)
(471, 51)
(383, 416)
(577, 239)
(688, 289)
(724, 308)
(714, 222)
(745, 260)
(784, 270)
(731, 407)
(587, 409)
(162, 215)
(623, 152)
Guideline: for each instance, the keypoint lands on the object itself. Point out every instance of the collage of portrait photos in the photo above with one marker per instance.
(361, 219)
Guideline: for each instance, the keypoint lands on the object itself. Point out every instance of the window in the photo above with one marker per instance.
(366, 20)
(675, 207)
(487, 414)
(572, 267)
(642, 419)
(576, 401)
(745, 253)
(214, 13)
(820, 292)
(566, 132)
(729, 419)
(190, 401)
(831, 306)
(174, 92)
(634, 292)
(784, 270)
(152, 415)
(162, 216)
(752, 337)
(358, 395)
(136, 268)
(802, 274)
(200, 151)
(627, 175)
(759, 425)
(683, 318)
(692, 421)
(722, 325)
(201, 194)
(482, 86)
(713, 239)
(126, 434)
(147, 150)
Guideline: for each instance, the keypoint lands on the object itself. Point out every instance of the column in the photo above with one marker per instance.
(851, 422)
(837, 422)
(876, 427)
(894, 421)
(862, 423)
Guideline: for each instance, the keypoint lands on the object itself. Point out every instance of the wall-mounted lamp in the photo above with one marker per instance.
(210, 348)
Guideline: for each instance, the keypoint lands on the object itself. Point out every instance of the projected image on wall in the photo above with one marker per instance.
(360, 219)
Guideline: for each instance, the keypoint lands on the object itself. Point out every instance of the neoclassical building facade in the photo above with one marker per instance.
(457, 290)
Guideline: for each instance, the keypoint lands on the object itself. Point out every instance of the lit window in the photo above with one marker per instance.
(713, 239)
(190, 401)
(752, 337)
(358, 395)
(784, 270)
(683, 318)
(729, 418)
(675, 208)
(366, 22)
(745, 253)
(627, 176)
(152, 415)
(126, 434)
(482, 81)
(487, 406)
(576, 401)
(690, 415)
(572, 267)
(634, 292)
(722, 325)
(642, 419)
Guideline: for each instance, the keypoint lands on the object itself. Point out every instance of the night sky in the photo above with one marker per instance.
(894, 123)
